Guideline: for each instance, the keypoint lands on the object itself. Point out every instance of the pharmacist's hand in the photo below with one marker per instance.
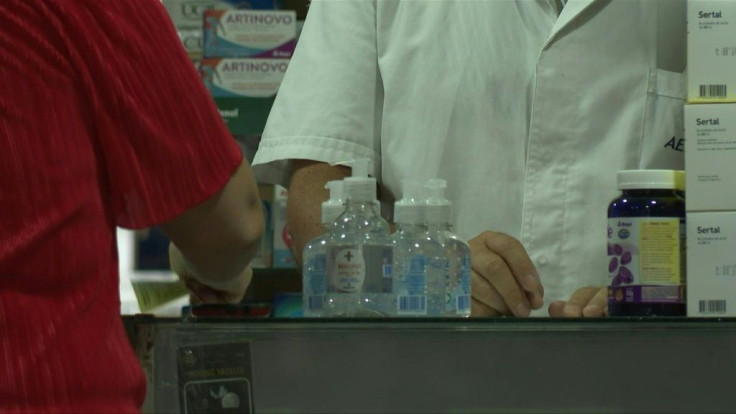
(203, 291)
(504, 281)
(589, 302)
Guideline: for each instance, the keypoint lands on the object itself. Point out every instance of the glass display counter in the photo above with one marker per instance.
(439, 365)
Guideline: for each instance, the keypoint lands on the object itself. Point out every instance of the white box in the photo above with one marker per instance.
(711, 51)
(711, 264)
(187, 18)
(253, 78)
(710, 157)
(249, 33)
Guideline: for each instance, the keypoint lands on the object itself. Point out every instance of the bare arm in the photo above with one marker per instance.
(220, 236)
(306, 194)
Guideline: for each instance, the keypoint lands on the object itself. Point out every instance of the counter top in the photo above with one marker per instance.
(469, 365)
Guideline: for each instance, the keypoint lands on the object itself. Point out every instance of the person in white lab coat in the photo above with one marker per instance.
(527, 108)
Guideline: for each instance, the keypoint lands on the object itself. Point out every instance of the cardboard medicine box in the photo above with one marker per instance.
(710, 157)
(243, 90)
(711, 264)
(711, 51)
(249, 33)
(187, 17)
(253, 78)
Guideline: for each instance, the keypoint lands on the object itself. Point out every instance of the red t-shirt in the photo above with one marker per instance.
(103, 123)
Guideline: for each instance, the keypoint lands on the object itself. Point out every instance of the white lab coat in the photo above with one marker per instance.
(528, 115)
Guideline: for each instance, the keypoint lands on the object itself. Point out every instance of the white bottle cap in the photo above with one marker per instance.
(680, 180)
(359, 186)
(439, 208)
(649, 179)
(332, 208)
(411, 207)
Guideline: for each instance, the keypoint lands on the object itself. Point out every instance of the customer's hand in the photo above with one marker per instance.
(504, 281)
(590, 302)
(206, 291)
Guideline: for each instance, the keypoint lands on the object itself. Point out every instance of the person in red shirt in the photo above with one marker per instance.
(104, 123)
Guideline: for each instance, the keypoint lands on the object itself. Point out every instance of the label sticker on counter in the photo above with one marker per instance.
(215, 378)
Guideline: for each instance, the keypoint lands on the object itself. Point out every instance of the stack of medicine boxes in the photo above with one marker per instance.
(246, 54)
(710, 158)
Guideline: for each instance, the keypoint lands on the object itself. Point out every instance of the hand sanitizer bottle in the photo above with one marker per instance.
(418, 258)
(314, 257)
(359, 254)
(457, 251)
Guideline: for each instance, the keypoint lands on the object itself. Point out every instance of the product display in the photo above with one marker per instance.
(187, 17)
(355, 269)
(711, 287)
(314, 273)
(711, 51)
(456, 250)
(246, 55)
(249, 33)
(419, 262)
(710, 132)
(646, 245)
(710, 158)
(359, 257)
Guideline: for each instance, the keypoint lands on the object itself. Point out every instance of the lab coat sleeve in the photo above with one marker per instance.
(329, 103)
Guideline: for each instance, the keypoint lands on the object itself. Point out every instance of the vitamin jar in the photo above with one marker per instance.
(646, 244)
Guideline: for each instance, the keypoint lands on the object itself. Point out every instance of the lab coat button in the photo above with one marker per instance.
(542, 260)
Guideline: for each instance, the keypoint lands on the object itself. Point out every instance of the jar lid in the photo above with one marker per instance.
(650, 179)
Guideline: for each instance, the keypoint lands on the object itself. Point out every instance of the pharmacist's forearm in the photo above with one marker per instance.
(306, 194)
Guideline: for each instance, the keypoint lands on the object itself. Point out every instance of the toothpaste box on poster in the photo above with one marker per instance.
(255, 78)
(249, 33)
(187, 17)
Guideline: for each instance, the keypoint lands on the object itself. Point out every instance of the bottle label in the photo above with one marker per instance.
(646, 259)
(462, 291)
(412, 287)
(315, 282)
(378, 265)
(347, 272)
(451, 283)
(458, 284)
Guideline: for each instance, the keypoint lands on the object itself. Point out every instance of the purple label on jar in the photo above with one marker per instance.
(646, 294)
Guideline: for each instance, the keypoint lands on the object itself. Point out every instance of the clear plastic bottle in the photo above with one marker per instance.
(359, 255)
(457, 266)
(646, 245)
(314, 257)
(418, 258)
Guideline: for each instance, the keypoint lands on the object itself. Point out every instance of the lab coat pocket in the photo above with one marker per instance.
(663, 130)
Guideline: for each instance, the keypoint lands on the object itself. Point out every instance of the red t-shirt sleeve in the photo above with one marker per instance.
(164, 147)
